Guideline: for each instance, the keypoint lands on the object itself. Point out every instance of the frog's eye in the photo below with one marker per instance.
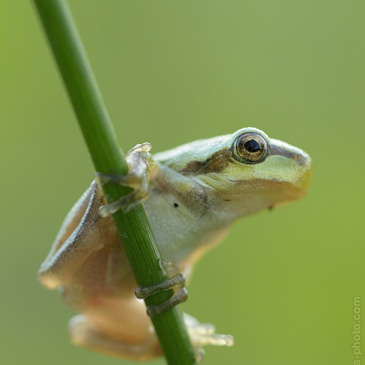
(250, 148)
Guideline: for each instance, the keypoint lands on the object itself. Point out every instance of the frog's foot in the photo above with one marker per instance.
(141, 168)
(178, 280)
(202, 334)
(169, 266)
(172, 268)
(84, 334)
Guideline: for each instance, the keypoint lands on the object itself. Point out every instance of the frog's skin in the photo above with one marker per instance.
(196, 191)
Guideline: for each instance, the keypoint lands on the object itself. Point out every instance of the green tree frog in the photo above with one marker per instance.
(191, 194)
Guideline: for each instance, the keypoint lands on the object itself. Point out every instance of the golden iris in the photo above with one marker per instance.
(251, 148)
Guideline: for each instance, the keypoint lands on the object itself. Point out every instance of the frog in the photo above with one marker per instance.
(192, 194)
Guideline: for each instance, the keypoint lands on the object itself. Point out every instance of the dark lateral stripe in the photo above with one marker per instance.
(220, 160)
(217, 162)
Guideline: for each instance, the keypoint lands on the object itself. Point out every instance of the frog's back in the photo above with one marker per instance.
(199, 150)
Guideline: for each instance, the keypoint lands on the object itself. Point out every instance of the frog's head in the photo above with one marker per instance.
(253, 172)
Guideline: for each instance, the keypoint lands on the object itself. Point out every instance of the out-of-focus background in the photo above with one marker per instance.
(284, 282)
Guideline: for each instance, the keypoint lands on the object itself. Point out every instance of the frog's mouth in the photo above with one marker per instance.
(291, 189)
(272, 193)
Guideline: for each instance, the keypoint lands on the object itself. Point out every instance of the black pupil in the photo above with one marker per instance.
(252, 146)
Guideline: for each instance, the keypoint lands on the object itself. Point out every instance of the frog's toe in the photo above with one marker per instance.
(125, 203)
(141, 147)
(214, 339)
(139, 182)
(177, 281)
(202, 334)
(199, 354)
(134, 179)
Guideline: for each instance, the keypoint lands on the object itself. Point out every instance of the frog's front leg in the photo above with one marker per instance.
(141, 168)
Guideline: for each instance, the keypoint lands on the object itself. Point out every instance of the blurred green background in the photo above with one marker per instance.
(170, 72)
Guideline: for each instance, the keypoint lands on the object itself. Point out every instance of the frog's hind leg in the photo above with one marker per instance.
(81, 234)
(85, 334)
(202, 334)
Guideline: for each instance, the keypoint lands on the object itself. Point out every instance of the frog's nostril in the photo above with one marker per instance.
(303, 159)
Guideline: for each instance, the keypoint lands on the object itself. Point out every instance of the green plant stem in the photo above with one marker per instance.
(107, 157)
